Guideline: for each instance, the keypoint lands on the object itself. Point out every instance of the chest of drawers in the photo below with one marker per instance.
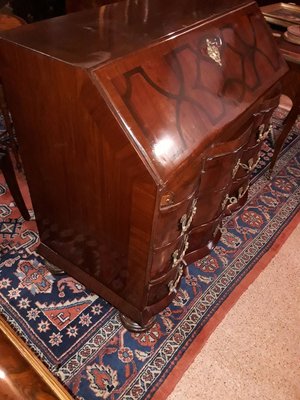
(139, 127)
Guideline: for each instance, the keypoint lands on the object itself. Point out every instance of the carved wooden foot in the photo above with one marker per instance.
(54, 269)
(133, 326)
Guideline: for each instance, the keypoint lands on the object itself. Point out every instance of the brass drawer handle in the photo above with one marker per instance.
(218, 228)
(262, 133)
(242, 191)
(179, 258)
(224, 203)
(173, 285)
(233, 199)
(186, 220)
(235, 168)
(230, 200)
(251, 165)
(216, 231)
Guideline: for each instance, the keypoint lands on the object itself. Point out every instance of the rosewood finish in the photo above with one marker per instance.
(22, 375)
(139, 128)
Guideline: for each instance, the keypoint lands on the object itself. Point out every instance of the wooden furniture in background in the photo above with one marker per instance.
(7, 137)
(23, 376)
(280, 16)
(291, 88)
(139, 136)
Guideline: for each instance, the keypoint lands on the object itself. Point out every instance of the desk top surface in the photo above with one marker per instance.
(92, 37)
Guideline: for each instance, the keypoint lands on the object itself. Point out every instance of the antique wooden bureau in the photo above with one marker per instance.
(139, 125)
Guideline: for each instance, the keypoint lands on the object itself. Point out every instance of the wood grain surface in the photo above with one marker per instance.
(137, 135)
(22, 374)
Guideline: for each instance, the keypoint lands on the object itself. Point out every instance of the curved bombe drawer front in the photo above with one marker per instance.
(219, 161)
(168, 266)
(177, 204)
(268, 106)
(177, 219)
(218, 170)
(181, 186)
(238, 194)
(168, 257)
(210, 204)
(248, 161)
(166, 286)
(250, 156)
(202, 239)
(174, 221)
(261, 120)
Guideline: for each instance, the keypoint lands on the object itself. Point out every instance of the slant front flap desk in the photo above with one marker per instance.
(139, 125)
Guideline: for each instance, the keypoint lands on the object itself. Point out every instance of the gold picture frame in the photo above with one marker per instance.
(57, 388)
(282, 14)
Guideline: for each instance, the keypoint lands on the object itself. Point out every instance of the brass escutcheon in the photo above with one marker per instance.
(212, 46)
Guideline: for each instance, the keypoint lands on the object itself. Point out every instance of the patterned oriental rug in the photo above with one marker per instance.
(79, 336)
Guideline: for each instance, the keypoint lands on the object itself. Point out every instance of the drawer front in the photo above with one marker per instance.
(266, 110)
(248, 161)
(261, 120)
(182, 185)
(219, 161)
(209, 206)
(174, 221)
(165, 287)
(169, 257)
(192, 226)
(238, 194)
(211, 178)
(202, 237)
(220, 165)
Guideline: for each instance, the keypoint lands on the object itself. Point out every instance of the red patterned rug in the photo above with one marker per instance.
(79, 336)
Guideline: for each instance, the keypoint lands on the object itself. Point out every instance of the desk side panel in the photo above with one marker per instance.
(86, 181)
